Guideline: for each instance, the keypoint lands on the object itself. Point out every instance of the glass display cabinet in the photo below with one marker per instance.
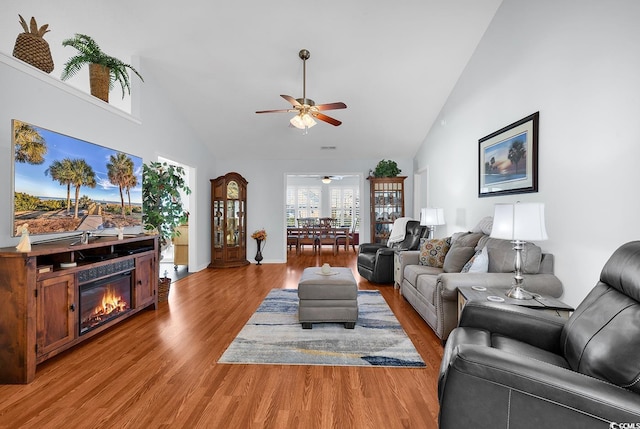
(228, 221)
(387, 204)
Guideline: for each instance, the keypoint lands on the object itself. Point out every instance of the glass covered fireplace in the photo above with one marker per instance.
(104, 300)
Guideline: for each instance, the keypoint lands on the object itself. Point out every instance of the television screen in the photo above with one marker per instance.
(63, 184)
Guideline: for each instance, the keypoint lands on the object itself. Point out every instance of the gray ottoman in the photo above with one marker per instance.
(328, 298)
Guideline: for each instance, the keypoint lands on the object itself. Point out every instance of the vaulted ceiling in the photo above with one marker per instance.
(393, 63)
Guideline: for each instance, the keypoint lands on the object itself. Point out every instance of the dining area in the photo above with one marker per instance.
(316, 233)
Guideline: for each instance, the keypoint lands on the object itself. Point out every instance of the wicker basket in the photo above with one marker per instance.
(99, 80)
(33, 50)
(164, 284)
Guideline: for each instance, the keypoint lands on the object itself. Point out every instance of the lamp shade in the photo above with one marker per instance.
(519, 221)
(431, 216)
(302, 121)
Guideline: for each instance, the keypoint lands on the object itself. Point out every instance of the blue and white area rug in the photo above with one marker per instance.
(273, 335)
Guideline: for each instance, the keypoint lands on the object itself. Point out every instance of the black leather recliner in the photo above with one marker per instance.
(510, 366)
(375, 260)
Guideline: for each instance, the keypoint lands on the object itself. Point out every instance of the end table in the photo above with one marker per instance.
(539, 302)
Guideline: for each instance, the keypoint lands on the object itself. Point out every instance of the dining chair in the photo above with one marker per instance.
(327, 235)
(341, 238)
(292, 238)
(307, 235)
(327, 221)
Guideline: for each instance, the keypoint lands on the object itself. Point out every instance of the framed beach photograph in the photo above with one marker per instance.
(508, 159)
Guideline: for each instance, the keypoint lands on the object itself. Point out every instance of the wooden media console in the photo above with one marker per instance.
(41, 296)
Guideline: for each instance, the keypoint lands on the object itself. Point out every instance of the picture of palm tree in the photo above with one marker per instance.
(64, 184)
(506, 160)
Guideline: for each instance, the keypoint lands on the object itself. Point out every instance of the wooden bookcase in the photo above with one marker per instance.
(39, 299)
(387, 204)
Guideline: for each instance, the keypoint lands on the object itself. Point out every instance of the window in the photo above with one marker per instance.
(302, 202)
(345, 204)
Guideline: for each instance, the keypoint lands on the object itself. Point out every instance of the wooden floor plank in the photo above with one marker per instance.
(159, 369)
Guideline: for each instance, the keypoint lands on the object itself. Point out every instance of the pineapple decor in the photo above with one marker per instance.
(32, 48)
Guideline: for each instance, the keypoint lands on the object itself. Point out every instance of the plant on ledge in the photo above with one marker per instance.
(386, 168)
(161, 203)
(104, 70)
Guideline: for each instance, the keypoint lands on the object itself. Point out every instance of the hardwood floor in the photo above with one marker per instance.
(158, 369)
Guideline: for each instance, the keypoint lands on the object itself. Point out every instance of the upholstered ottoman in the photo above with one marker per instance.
(328, 298)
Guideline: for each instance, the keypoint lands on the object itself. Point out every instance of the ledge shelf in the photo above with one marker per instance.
(45, 77)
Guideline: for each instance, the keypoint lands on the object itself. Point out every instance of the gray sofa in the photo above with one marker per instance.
(432, 291)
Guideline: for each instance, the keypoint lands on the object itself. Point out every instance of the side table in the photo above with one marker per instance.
(540, 302)
(397, 269)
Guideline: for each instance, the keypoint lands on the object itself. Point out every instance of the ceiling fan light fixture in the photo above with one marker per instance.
(302, 121)
(326, 180)
(308, 120)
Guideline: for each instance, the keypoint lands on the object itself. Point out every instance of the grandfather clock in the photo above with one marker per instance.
(228, 221)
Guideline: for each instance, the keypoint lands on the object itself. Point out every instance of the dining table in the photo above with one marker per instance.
(294, 232)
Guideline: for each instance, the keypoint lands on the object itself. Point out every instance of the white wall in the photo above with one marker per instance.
(266, 194)
(37, 98)
(578, 64)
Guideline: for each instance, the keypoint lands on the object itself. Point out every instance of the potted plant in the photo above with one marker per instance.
(162, 210)
(104, 70)
(386, 168)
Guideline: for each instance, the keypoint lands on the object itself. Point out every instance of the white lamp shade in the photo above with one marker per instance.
(431, 216)
(519, 221)
(307, 120)
(302, 121)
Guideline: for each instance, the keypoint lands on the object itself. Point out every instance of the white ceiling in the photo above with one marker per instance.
(392, 62)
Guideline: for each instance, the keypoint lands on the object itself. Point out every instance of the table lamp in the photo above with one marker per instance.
(430, 217)
(519, 223)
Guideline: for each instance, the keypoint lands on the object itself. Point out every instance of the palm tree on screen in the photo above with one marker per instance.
(81, 175)
(30, 146)
(120, 170)
(61, 171)
(130, 183)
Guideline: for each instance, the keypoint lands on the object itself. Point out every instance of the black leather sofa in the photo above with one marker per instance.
(514, 367)
(375, 260)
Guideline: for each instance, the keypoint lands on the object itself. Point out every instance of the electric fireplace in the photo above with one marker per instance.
(104, 300)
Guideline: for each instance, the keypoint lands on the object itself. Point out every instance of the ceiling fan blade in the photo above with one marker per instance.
(276, 111)
(331, 106)
(327, 119)
(291, 100)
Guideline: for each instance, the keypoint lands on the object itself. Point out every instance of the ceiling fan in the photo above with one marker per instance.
(327, 179)
(305, 108)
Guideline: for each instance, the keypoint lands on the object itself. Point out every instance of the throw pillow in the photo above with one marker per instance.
(433, 251)
(479, 263)
(470, 262)
(462, 249)
(484, 226)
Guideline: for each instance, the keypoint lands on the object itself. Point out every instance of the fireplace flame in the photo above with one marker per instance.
(111, 302)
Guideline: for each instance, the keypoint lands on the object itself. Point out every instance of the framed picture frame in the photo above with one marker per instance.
(508, 159)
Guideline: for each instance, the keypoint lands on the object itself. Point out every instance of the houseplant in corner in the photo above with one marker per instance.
(162, 209)
(104, 70)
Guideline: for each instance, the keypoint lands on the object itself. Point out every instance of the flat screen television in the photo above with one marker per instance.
(62, 184)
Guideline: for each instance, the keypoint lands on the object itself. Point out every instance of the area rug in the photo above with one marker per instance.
(273, 335)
